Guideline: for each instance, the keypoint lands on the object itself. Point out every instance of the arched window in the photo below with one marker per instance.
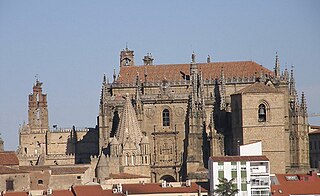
(262, 113)
(165, 117)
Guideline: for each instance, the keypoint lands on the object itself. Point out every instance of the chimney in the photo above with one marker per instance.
(148, 60)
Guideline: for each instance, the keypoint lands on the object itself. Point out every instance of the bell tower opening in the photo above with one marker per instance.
(262, 113)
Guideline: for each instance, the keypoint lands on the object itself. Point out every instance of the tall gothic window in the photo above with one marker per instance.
(262, 113)
(165, 117)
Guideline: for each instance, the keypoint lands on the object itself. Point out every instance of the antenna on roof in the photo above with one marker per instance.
(37, 77)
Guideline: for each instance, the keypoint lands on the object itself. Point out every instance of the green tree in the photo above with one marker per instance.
(226, 188)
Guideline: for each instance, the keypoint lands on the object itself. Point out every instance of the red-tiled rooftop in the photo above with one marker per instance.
(7, 170)
(61, 193)
(35, 168)
(84, 190)
(175, 72)
(239, 158)
(16, 194)
(125, 176)
(302, 185)
(156, 188)
(8, 158)
(56, 170)
(257, 88)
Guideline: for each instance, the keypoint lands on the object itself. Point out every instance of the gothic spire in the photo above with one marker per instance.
(292, 83)
(193, 57)
(303, 105)
(286, 75)
(277, 67)
(104, 79)
(114, 75)
(128, 129)
(208, 59)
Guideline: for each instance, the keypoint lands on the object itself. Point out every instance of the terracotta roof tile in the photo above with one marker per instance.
(7, 170)
(16, 194)
(239, 158)
(156, 188)
(8, 158)
(304, 185)
(84, 190)
(257, 88)
(314, 132)
(61, 193)
(125, 176)
(56, 170)
(35, 168)
(175, 72)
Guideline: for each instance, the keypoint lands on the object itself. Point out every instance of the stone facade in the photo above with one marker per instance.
(38, 145)
(20, 181)
(165, 121)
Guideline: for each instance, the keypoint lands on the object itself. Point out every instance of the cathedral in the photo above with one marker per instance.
(165, 121)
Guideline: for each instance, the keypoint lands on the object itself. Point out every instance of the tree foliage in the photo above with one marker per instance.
(226, 188)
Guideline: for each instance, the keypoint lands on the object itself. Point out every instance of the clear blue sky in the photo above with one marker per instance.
(71, 44)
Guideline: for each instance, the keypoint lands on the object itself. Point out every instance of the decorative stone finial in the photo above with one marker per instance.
(193, 57)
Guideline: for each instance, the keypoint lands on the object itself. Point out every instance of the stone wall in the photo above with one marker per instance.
(271, 132)
(21, 181)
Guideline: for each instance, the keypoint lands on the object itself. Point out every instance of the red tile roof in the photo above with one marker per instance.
(175, 72)
(314, 132)
(35, 168)
(84, 190)
(8, 158)
(125, 176)
(61, 193)
(7, 170)
(304, 185)
(58, 170)
(156, 188)
(239, 158)
(16, 194)
(258, 88)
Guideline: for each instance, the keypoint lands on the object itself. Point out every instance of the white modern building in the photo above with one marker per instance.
(251, 173)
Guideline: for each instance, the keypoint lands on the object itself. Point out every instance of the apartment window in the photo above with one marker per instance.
(244, 187)
(220, 166)
(262, 114)
(243, 173)
(221, 174)
(233, 166)
(234, 174)
(40, 181)
(165, 118)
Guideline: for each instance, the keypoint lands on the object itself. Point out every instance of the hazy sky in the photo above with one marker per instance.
(71, 44)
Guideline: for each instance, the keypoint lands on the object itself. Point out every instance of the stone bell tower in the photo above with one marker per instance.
(38, 109)
(126, 57)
